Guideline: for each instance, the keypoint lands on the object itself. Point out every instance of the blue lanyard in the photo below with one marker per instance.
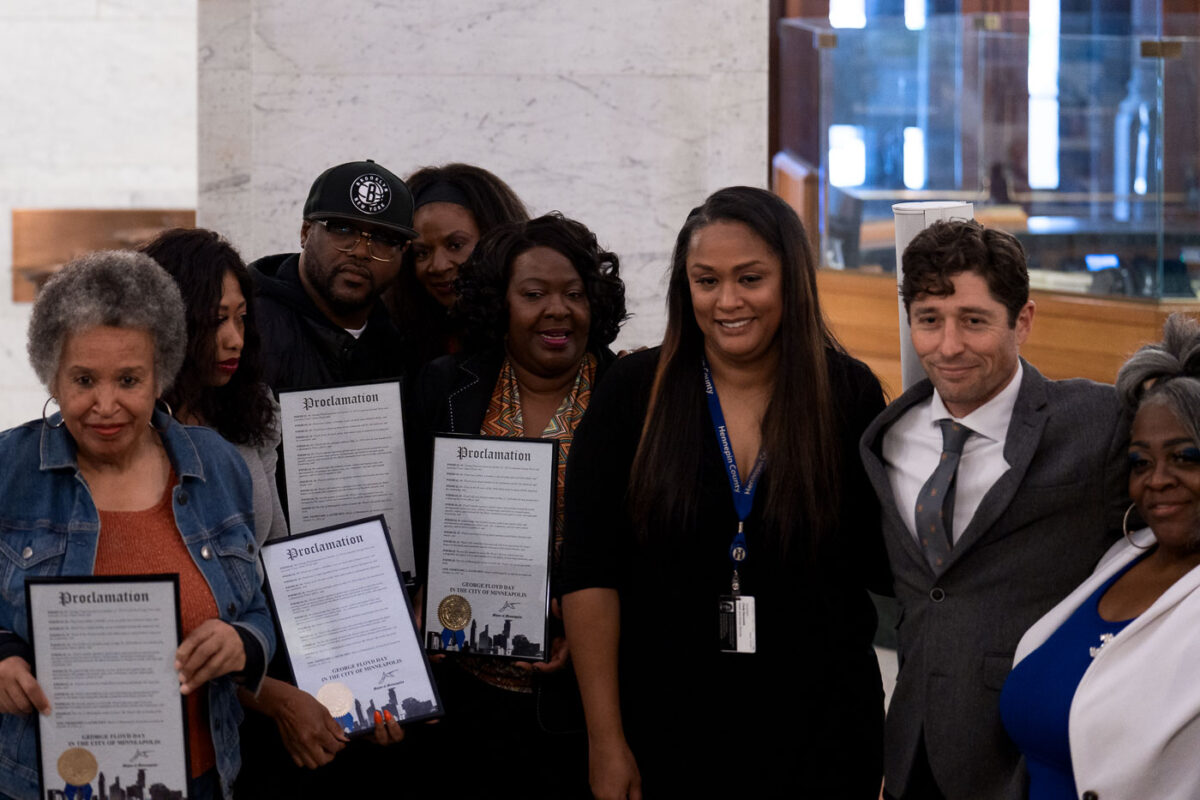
(743, 495)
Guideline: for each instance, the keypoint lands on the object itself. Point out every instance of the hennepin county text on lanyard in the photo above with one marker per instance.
(737, 610)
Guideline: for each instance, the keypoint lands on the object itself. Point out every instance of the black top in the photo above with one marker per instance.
(803, 714)
(302, 348)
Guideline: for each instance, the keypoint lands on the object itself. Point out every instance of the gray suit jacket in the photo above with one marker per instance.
(1036, 535)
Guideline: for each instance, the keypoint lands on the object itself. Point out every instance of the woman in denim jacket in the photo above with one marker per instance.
(113, 485)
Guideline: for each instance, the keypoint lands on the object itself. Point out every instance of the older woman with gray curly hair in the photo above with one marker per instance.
(112, 485)
(1103, 699)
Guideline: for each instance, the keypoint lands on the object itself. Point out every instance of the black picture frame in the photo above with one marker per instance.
(430, 611)
(408, 614)
(103, 580)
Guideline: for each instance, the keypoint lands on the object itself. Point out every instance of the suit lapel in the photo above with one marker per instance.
(871, 451)
(1024, 435)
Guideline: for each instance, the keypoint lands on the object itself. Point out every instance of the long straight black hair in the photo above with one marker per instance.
(799, 429)
(198, 260)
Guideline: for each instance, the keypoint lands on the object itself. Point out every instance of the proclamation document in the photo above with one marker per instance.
(490, 538)
(348, 625)
(343, 459)
(104, 653)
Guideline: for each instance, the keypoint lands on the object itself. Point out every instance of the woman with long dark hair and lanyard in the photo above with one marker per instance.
(721, 535)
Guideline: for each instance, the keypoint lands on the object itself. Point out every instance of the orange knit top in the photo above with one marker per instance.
(148, 543)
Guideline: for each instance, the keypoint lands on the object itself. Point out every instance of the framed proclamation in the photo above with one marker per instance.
(104, 653)
(490, 538)
(348, 625)
(343, 460)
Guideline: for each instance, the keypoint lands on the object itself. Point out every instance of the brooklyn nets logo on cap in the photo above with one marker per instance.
(370, 193)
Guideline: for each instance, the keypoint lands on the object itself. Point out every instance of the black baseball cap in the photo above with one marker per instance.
(362, 191)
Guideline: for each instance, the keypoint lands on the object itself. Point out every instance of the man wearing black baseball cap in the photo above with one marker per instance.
(319, 313)
(321, 323)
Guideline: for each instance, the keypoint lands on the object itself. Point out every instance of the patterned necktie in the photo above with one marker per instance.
(935, 503)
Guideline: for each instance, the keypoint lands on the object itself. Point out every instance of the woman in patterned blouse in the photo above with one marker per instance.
(540, 301)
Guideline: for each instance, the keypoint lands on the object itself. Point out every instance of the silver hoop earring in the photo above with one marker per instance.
(46, 407)
(1125, 530)
(167, 408)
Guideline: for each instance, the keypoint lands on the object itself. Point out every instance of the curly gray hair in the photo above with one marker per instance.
(1166, 372)
(117, 288)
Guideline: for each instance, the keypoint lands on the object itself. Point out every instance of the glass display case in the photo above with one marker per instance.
(1084, 144)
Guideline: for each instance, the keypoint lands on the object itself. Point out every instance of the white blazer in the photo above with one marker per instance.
(1134, 725)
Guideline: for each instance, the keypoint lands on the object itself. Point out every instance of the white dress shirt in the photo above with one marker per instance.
(912, 448)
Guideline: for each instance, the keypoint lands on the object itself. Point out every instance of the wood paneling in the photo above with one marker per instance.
(46, 238)
(1180, 7)
(796, 91)
(799, 185)
(1074, 336)
(806, 8)
(863, 313)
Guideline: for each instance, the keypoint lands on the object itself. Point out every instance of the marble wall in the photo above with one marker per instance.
(99, 111)
(623, 114)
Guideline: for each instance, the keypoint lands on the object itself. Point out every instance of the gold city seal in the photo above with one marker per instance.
(336, 697)
(77, 766)
(454, 612)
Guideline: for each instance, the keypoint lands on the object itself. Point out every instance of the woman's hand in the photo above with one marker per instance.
(387, 729)
(559, 654)
(211, 650)
(593, 622)
(20, 692)
(612, 771)
(309, 732)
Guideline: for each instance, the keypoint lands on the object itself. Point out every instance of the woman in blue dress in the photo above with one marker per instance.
(1103, 699)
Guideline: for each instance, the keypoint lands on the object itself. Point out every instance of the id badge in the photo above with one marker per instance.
(737, 623)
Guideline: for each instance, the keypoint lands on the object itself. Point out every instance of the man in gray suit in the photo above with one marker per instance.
(1000, 491)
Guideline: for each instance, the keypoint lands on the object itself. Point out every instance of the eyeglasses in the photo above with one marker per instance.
(381, 246)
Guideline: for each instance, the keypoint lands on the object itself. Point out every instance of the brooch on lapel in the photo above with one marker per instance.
(1105, 638)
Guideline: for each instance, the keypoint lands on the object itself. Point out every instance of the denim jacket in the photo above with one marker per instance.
(49, 527)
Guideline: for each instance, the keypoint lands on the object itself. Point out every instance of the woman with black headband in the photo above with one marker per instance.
(455, 204)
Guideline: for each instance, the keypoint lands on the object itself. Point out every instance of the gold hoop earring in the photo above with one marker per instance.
(45, 407)
(1125, 530)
